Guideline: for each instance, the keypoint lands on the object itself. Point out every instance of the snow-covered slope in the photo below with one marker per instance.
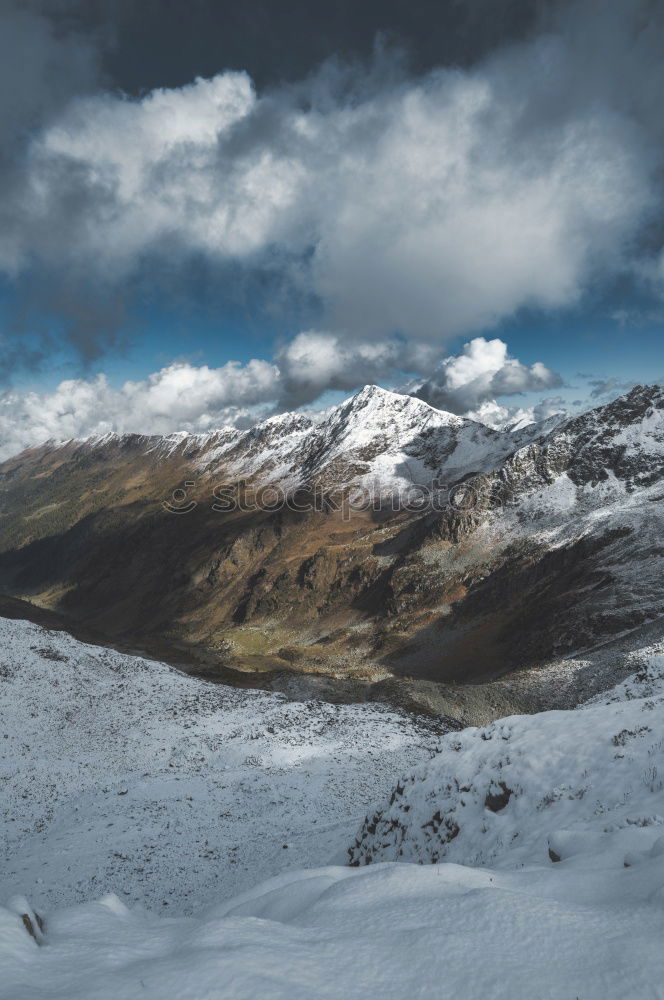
(388, 931)
(574, 783)
(565, 535)
(382, 440)
(119, 773)
(585, 787)
(620, 445)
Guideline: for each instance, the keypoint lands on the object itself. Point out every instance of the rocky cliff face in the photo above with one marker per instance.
(470, 552)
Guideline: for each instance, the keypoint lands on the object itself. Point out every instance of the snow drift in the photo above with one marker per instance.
(548, 833)
(527, 787)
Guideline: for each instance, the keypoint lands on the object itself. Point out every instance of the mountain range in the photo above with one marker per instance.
(386, 540)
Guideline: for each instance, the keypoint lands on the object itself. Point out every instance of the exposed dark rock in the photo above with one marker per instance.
(497, 800)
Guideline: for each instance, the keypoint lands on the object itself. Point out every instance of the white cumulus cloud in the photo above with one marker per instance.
(482, 371)
(179, 397)
(198, 398)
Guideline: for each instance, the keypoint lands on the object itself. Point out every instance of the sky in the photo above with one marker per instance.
(213, 212)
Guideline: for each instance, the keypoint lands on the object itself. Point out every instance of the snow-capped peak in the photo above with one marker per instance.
(376, 438)
(374, 402)
(381, 439)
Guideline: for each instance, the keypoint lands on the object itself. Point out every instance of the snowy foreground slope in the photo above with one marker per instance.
(574, 782)
(119, 773)
(506, 920)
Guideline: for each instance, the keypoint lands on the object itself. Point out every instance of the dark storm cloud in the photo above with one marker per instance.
(167, 43)
(44, 63)
(512, 155)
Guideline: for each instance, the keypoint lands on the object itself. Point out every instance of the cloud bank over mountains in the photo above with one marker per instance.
(182, 396)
